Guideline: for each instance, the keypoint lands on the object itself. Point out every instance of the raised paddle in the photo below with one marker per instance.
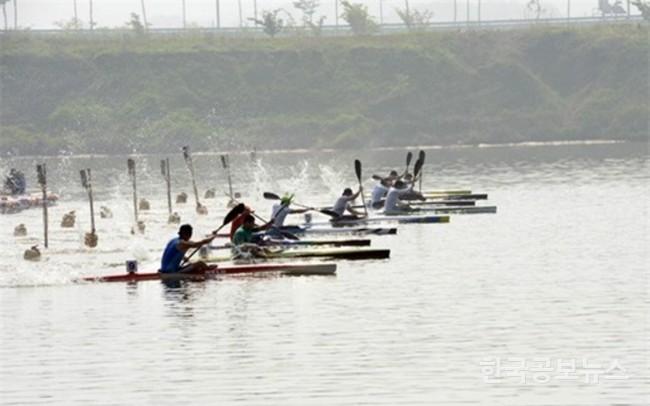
(41, 171)
(421, 159)
(417, 168)
(130, 163)
(232, 214)
(409, 157)
(357, 171)
(190, 166)
(327, 212)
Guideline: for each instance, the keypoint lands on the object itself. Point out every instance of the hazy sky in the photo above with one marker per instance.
(167, 13)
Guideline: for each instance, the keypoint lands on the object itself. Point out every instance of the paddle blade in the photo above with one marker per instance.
(421, 157)
(130, 163)
(232, 214)
(41, 171)
(329, 212)
(186, 152)
(163, 167)
(271, 196)
(409, 158)
(84, 178)
(224, 162)
(357, 169)
(377, 177)
(418, 167)
(289, 236)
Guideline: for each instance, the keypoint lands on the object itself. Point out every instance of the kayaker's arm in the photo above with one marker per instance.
(185, 245)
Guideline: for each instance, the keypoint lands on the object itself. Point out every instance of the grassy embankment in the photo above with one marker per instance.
(119, 94)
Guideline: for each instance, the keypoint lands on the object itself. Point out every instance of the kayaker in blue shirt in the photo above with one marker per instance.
(177, 247)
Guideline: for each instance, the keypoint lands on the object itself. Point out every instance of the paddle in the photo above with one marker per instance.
(421, 159)
(41, 171)
(190, 166)
(417, 168)
(327, 212)
(130, 163)
(409, 157)
(225, 162)
(164, 169)
(357, 170)
(232, 214)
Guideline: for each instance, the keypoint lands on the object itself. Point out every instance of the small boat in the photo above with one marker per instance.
(424, 203)
(306, 243)
(468, 196)
(331, 230)
(447, 192)
(460, 209)
(293, 269)
(350, 254)
(399, 218)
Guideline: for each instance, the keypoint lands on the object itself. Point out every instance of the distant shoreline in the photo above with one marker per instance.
(524, 144)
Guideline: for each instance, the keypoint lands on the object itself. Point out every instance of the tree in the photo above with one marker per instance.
(357, 17)
(642, 5)
(135, 24)
(414, 19)
(72, 24)
(3, 3)
(308, 8)
(271, 23)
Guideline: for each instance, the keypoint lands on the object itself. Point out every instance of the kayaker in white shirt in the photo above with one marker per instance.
(378, 193)
(282, 210)
(343, 203)
(392, 204)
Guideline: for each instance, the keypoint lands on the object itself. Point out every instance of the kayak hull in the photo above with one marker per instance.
(345, 254)
(216, 271)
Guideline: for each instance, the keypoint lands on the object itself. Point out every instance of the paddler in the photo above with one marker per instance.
(244, 238)
(412, 194)
(379, 192)
(392, 204)
(281, 210)
(343, 203)
(175, 251)
(15, 183)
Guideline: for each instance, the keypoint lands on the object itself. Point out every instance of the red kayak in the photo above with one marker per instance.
(215, 271)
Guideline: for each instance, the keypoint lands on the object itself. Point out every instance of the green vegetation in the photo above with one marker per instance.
(118, 93)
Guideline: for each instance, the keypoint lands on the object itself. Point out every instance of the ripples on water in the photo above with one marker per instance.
(560, 273)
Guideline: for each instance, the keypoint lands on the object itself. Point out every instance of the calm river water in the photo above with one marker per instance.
(544, 303)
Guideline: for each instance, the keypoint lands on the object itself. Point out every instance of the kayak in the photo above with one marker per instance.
(424, 203)
(469, 196)
(348, 230)
(447, 192)
(401, 218)
(216, 271)
(10, 204)
(305, 243)
(459, 209)
(332, 253)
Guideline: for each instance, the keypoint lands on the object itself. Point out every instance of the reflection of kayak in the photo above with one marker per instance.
(216, 271)
(350, 254)
(13, 204)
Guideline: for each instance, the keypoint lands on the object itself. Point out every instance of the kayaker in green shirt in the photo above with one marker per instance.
(243, 239)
